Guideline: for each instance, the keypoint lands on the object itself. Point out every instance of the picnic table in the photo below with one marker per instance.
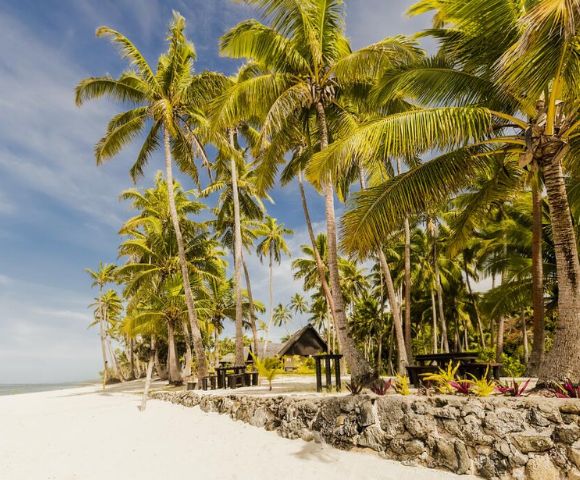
(468, 364)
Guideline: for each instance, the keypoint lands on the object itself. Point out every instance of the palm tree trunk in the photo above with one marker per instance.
(271, 298)
(360, 370)
(149, 374)
(252, 309)
(159, 368)
(408, 286)
(237, 258)
(188, 356)
(379, 355)
(538, 282)
(525, 338)
(192, 315)
(500, 337)
(174, 373)
(102, 335)
(216, 350)
(475, 306)
(434, 323)
(131, 358)
(399, 338)
(563, 360)
(439, 291)
(319, 263)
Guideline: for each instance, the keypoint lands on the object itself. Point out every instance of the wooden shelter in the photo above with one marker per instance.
(305, 342)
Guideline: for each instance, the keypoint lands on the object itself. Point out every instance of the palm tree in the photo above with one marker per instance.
(105, 273)
(272, 246)
(238, 202)
(153, 254)
(298, 304)
(166, 101)
(302, 51)
(475, 79)
(282, 316)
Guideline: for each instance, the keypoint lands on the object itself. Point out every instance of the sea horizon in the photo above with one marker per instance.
(22, 388)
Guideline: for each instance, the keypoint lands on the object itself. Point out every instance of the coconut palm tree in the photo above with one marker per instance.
(282, 316)
(485, 87)
(105, 273)
(272, 246)
(304, 53)
(298, 304)
(166, 101)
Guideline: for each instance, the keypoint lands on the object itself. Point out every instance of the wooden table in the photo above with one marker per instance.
(443, 359)
(328, 358)
(222, 374)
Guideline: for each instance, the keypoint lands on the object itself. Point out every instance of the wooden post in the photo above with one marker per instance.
(318, 374)
(337, 372)
(328, 372)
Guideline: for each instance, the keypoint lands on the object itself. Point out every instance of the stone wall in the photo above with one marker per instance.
(507, 438)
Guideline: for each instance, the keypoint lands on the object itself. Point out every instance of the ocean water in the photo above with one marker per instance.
(15, 389)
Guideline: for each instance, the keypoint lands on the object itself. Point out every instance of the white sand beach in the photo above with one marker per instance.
(85, 434)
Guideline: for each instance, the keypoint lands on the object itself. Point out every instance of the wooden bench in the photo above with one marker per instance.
(415, 372)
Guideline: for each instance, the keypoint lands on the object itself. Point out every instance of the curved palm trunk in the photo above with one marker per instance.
(563, 360)
(537, 282)
(319, 263)
(360, 369)
(237, 259)
(174, 373)
(192, 315)
(253, 326)
(149, 374)
(399, 338)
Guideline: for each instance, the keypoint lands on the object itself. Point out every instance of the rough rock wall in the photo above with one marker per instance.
(536, 439)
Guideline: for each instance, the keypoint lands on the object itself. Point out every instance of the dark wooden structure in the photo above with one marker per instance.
(468, 364)
(305, 342)
(330, 360)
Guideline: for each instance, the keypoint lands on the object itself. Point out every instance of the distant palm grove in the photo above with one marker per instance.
(460, 174)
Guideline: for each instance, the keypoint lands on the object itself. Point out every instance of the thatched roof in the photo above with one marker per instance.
(305, 342)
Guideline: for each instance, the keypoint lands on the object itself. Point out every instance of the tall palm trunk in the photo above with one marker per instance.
(320, 268)
(271, 299)
(525, 338)
(500, 337)
(237, 258)
(538, 281)
(475, 306)
(563, 360)
(192, 315)
(407, 279)
(174, 373)
(188, 356)
(159, 367)
(103, 343)
(130, 344)
(149, 374)
(360, 370)
(434, 320)
(252, 308)
(399, 338)
(408, 286)
(439, 291)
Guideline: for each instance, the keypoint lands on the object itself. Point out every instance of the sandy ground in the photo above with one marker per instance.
(85, 434)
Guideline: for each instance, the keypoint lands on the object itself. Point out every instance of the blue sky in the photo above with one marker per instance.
(59, 213)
